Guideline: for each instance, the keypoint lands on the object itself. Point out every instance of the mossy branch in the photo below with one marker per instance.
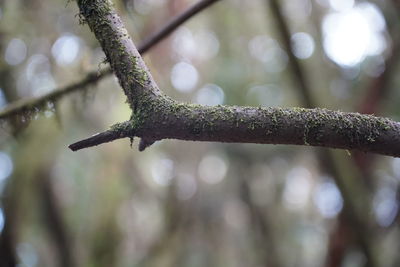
(156, 116)
(24, 106)
(27, 106)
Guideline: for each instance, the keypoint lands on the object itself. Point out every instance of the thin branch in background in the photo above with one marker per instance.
(172, 219)
(53, 217)
(355, 217)
(173, 24)
(264, 234)
(325, 157)
(24, 106)
(8, 257)
(294, 64)
(338, 242)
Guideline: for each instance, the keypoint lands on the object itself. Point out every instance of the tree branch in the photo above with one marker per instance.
(52, 212)
(156, 116)
(174, 23)
(117, 131)
(316, 127)
(29, 105)
(294, 64)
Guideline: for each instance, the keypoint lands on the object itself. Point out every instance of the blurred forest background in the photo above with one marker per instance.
(191, 203)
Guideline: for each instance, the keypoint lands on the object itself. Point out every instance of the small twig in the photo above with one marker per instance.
(294, 64)
(52, 212)
(117, 131)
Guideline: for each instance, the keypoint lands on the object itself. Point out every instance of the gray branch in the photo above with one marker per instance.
(156, 116)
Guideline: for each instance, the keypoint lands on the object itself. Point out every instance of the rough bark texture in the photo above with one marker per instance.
(156, 116)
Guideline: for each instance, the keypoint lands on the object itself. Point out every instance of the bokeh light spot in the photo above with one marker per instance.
(66, 49)
(2, 220)
(297, 188)
(6, 166)
(184, 77)
(396, 167)
(38, 75)
(303, 45)
(187, 186)
(16, 52)
(3, 100)
(27, 254)
(385, 206)
(210, 95)
(352, 35)
(328, 199)
(207, 45)
(341, 5)
(201, 45)
(162, 171)
(268, 51)
(212, 169)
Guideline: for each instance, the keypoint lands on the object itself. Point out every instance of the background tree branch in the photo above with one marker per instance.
(353, 215)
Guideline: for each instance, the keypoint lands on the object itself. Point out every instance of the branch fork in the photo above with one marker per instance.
(156, 116)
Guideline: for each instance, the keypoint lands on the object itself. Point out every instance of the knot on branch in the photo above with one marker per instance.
(145, 143)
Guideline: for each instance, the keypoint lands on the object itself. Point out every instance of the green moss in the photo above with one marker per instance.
(135, 71)
(97, 9)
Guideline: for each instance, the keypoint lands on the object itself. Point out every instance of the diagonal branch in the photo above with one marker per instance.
(174, 23)
(156, 116)
(296, 69)
(31, 104)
